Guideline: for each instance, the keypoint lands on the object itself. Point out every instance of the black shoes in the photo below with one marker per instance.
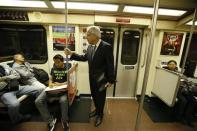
(92, 114)
(99, 120)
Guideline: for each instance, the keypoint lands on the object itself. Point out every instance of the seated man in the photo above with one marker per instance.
(8, 96)
(26, 72)
(58, 77)
(172, 65)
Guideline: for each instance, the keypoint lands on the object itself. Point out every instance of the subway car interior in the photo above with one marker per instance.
(154, 46)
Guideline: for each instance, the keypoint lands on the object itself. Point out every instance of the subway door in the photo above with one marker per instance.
(128, 62)
(109, 35)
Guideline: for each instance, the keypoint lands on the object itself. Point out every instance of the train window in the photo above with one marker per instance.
(192, 54)
(191, 62)
(27, 39)
(108, 36)
(130, 44)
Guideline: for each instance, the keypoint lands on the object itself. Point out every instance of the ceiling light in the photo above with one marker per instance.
(191, 22)
(170, 12)
(137, 9)
(23, 3)
(150, 10)
(58, 4)
(86, 6)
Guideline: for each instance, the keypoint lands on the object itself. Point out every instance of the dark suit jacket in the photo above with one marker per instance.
(102, 64)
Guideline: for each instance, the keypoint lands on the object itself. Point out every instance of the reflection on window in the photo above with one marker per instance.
(107, 35)
(130, 44)
(27, 39)
(191, 62)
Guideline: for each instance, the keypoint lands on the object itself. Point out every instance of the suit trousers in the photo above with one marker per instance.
(99, 97)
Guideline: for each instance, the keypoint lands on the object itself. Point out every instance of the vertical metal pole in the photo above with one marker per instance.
(117, 56)
(66, 23)
(148, 62)
(66, 32)
(189, 41)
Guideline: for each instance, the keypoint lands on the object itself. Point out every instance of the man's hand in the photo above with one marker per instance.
(2, 79)
(51, 85)
(67, 51)
(59, 84)
(108, 85)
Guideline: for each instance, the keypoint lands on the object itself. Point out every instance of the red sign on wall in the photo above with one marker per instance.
(122, 20)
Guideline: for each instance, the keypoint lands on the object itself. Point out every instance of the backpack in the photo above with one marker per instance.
(3, 84)
(6, 86)
(41, 75)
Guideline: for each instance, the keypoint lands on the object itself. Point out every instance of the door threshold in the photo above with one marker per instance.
(121, 98)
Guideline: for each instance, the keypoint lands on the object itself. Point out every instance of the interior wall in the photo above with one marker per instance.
(157, 59)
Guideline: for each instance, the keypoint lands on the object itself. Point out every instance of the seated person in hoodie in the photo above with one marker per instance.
(25, 70)
(172, 65)
(9, 96)
(58, 78)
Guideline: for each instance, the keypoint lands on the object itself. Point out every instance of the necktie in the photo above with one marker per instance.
(93, 49)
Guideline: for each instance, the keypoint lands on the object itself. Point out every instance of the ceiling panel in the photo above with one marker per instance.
(187, 5)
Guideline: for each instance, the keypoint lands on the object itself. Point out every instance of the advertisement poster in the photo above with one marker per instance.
(84, 41)
(171, 43)
(59, 39)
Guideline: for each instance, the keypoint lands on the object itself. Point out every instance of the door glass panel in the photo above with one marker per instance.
(107, 35)
(130, 43)
(191, 63)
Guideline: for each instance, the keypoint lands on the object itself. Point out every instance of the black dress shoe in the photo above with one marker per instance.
(98, 121)
(92, 114)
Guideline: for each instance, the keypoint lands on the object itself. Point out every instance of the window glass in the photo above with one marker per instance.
(27, 39)
(107, 35)
(130, 44)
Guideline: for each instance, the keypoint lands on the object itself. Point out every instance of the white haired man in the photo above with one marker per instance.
(101, 69)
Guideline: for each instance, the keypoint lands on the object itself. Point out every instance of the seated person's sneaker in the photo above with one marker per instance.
(66, 127)
(51, 125)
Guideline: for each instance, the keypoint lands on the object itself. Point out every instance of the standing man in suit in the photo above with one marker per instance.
(101, 69)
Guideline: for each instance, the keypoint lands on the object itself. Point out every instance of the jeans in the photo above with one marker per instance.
(41, 104)
(40, 87)
(11, 101)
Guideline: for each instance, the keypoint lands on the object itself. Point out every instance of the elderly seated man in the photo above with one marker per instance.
(26, 72)
(9, 95)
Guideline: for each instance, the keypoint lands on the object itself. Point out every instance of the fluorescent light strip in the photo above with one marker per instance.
(136, 9)
(170, 12)
(22, 3)
(86, 6)
(190, 23)
(58, 4)
(149, 10)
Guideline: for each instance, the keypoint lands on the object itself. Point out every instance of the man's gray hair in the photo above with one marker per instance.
(94, 30)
